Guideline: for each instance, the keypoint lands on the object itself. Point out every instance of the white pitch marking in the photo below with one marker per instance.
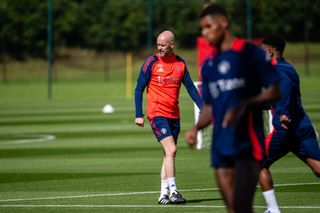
(81, 196)
(140, 206)
(132, 193)
(38, 138)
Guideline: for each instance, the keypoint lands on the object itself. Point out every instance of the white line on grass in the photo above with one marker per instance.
(140, 206)
(35, 139)
(132, 193)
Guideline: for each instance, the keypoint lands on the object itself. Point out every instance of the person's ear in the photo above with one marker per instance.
(271, 52)
(224, 22)
(172, 44)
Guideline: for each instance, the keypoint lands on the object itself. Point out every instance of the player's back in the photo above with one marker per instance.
(294, 107)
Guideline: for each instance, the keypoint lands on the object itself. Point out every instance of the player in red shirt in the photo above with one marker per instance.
(163, 74)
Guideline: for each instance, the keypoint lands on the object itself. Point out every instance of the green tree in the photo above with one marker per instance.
(122, 24)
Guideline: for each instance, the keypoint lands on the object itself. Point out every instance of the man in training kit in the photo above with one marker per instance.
(232, 82)
(293, 130)
(163, 74)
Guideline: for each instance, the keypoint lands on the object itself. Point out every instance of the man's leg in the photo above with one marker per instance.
(277, 146)
(166, 131)
(170, 150)
(265, 179)
(266, 183)
(225, 178)
(164, 193)
(308, 148)
(314, 165)
(246, 177)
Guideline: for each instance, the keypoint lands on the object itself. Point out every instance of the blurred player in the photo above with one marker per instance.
(163, 74)
(232, 91)
(293, 130)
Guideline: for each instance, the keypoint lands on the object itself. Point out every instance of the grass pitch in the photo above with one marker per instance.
(104, 163)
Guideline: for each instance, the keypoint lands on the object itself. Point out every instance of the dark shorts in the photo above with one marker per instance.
(163, 127)
(234, 144)
(218, 161)
(303, 143)
(228, 160)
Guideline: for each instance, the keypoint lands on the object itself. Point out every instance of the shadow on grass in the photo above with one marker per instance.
(200, 200)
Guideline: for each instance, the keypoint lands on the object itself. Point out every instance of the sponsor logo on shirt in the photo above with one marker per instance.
(167, 80)
(225, 85)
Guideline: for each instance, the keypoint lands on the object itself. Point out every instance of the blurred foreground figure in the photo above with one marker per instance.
(163, 74)
(232, 91)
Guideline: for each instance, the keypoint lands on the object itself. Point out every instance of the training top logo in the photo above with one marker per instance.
(224, 67)
(160, 69)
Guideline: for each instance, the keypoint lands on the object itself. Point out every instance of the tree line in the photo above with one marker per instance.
(106, 25)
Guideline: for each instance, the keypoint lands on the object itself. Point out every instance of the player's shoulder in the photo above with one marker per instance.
(249, 46)
(178, 58)
(242, 46)
(207, 66)
(287, 68)
(256, 52)
(281, 62)
(150, 60)
(182, 63)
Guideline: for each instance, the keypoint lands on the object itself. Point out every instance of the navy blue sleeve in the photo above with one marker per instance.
(205, 87)
(285, 89)
(192, 90)
(143, 80)
(265, 70)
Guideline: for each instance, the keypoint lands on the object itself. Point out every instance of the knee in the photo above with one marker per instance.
(264, 174)
(171, 152)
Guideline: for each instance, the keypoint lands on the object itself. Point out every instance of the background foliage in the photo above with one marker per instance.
(123, 25)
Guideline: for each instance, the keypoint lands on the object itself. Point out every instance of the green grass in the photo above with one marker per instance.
(104, 163)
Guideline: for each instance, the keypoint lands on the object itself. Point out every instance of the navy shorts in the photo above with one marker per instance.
(302, 143)
(163, 127)
(219, 161)
(233, 144)
(242, 152)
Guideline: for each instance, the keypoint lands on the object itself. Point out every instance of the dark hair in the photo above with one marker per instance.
(276, 41)
(214, 9)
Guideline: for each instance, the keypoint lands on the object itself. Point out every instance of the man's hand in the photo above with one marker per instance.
(191, 137)
(139, 122)
(285, 121)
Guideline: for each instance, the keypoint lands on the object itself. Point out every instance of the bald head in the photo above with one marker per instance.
(167, 36)
(165, 43)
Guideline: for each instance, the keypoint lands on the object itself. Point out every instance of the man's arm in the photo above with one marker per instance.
(285, 89)
(142, 82)
(203, 122)
(205, 115)
(192, 90)
(270, 94)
